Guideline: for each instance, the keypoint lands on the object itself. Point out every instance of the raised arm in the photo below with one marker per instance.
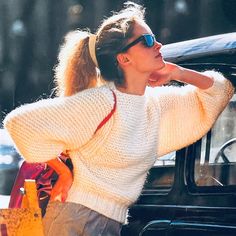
(187, 113)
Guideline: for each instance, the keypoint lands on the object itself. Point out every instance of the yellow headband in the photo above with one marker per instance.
(92, 42)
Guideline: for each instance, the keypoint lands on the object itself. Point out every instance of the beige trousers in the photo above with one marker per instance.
(71, 219)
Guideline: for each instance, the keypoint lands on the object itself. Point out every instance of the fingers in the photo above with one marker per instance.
(158, 80)
(59, 195)
(56, 193)
(64, 196)
(164, 75)
(56, 198)
(61, 188)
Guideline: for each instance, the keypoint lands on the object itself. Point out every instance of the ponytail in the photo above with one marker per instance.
(75, 70)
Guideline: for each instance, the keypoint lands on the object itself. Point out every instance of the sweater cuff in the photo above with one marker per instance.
(220, 84)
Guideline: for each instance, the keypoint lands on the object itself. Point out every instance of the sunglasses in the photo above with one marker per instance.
(148, 40)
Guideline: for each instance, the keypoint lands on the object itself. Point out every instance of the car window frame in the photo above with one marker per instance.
(194, 151)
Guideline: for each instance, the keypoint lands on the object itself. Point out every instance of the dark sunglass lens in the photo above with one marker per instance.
(149, 40)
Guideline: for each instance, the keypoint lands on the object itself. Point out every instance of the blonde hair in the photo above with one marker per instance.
(76, 71)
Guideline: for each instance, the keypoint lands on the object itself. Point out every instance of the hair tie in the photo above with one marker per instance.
(92, 51)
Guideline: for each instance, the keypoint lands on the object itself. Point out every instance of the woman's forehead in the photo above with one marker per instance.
(140, 27)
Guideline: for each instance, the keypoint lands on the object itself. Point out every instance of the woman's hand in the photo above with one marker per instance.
(174, 72)
(64, 181)
(62, 186)
(165, 75)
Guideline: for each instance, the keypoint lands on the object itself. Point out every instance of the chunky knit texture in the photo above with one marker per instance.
(110, 167)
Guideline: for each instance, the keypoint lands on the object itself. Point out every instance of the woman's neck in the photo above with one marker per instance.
(130, 90)
(135, 85)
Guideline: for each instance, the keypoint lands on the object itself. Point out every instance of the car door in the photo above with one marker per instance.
(208, 206)
(192, 191)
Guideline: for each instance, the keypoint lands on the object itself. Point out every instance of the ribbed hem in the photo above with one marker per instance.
(106, 207)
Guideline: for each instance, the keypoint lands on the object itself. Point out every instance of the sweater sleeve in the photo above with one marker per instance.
(186, 114)
(44, 129)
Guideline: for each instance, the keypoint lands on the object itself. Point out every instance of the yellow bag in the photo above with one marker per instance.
(24, 221)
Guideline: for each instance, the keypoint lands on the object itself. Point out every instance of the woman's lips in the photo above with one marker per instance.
(158, 55)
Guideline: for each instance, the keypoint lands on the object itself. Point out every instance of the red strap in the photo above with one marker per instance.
(109, 115)
(65, 154)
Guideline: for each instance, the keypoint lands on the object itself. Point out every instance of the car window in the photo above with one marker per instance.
(161, 176)
(216, 164)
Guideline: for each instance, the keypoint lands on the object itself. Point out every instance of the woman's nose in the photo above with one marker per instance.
(157, 45)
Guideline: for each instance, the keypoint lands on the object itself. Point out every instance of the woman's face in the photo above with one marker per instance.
(143, 58)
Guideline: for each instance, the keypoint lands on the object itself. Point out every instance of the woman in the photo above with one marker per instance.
(110, 165)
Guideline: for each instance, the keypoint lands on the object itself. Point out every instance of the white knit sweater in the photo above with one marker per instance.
(110, 167)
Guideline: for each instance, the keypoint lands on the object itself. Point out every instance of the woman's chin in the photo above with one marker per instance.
(161, 65)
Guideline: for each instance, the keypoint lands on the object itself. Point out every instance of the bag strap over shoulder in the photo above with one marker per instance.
(65, 154)
(106, 119)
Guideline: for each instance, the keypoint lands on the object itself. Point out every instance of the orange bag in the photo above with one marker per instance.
(24, 221)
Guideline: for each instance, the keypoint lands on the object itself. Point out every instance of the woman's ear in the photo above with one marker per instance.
(122, 59)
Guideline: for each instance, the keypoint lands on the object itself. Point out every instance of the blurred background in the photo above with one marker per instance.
(31, 32)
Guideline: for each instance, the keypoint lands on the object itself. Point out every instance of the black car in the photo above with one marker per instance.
(193, 191)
